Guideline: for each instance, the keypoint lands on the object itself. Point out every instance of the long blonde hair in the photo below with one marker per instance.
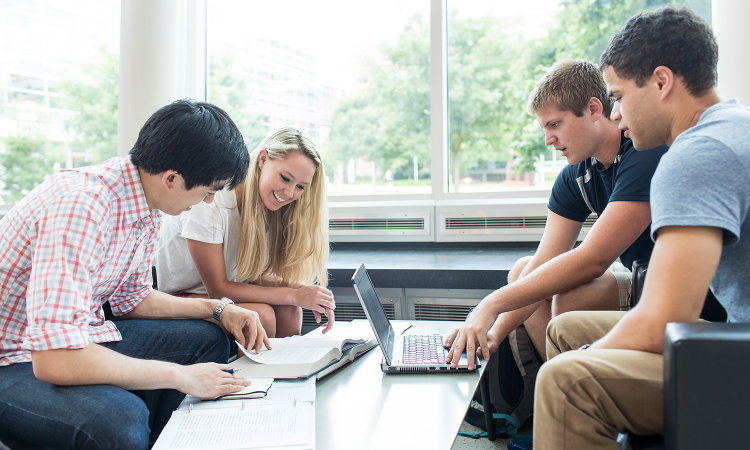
(292, 242)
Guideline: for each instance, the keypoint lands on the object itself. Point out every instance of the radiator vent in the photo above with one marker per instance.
(439, 312)
(416, 223)
(347, 311)
(480, 223)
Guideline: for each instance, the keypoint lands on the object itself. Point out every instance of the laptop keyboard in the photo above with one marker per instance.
(427, 349)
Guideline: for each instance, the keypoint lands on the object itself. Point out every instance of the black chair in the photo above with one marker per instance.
(706, 367)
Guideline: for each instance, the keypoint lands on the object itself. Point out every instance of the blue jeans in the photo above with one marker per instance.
(103, 416)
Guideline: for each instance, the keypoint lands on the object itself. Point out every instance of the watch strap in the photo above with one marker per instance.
(220, 307)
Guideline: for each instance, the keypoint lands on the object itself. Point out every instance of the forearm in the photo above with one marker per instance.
(557, 275)
(253, 293)
(509, 321)
(636, 331)
(158, 305)
(95, 364)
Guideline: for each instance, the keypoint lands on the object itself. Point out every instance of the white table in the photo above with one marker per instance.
(360, 407)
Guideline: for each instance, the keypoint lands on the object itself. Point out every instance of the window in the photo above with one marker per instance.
(497, 51)
(357, 77)
(354, 75)
(59, 73)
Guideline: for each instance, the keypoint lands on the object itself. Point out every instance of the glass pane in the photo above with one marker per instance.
(59, 73)
(497, 51)
(354, 75)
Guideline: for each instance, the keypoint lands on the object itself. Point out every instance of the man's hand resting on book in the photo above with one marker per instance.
(245, 326)
(319, 300)
(209, 380)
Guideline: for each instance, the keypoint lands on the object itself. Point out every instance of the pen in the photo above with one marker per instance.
(231, 371)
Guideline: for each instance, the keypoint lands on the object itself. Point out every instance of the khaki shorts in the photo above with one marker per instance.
(623, 277)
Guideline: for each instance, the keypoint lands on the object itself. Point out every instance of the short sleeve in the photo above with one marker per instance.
(634, 174)
(706, 188)
(70, 242)
(566, 199)
(203, 223)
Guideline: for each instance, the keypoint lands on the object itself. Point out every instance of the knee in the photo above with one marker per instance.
(556, 376)
(267, 316)
(556, 332)
(288, 320)
(129, 429)
(515, 271)
(560, 303)
(215, 344)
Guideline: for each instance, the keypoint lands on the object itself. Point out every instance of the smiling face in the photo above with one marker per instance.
(283, 180)
(573, 136)
(637, 111)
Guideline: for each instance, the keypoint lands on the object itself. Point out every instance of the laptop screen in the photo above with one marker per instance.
(374, 310)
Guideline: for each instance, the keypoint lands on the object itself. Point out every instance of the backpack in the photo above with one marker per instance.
(512, 371)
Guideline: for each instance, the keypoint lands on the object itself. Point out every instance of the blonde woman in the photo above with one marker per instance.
(264, 245)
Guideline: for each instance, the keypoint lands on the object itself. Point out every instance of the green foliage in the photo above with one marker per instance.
(490, 75)
(229, 91)
(388, 119)
(25, 160)
(94, 98)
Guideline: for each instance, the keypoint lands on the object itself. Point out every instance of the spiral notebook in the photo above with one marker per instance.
(285, 418)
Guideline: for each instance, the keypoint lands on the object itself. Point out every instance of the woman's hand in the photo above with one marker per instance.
(315, 298)
(319, 300)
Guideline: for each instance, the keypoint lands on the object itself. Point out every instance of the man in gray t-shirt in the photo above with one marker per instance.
(699, 205)
(703, 181)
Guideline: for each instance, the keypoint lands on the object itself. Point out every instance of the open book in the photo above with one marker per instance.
(313, 354)
(298, 356)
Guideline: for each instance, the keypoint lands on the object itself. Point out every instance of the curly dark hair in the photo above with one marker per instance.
(671, 36)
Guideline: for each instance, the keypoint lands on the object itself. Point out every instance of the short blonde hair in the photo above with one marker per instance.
(569, 85)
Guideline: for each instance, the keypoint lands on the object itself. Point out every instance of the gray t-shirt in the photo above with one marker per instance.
(704, 180)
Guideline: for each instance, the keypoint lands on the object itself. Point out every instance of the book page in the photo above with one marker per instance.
(257, 426)
(303, 342)
(289, 355)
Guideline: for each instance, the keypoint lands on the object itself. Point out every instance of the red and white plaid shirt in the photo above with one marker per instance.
(83, 237)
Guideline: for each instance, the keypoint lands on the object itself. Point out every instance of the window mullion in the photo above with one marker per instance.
(439, 98)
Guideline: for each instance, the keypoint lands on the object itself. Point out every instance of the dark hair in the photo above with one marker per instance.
(197, 139)
(672, 36)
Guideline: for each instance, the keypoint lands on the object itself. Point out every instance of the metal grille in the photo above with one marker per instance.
(347, 311)
(440, 312)
(474, 223)
(376, 224)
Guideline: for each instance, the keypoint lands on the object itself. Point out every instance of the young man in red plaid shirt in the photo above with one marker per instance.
(68, 377)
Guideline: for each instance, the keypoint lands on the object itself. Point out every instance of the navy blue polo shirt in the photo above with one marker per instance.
(586, 188)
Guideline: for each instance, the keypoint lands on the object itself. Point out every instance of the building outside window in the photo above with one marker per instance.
(58, 88)
(368, 81)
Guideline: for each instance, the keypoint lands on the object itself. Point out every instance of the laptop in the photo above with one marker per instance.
(403, 353)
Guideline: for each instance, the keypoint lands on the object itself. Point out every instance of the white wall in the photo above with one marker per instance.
(733, 34)
(162, 59)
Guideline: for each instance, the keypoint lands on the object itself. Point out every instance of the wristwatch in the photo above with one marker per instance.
(220, 307)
